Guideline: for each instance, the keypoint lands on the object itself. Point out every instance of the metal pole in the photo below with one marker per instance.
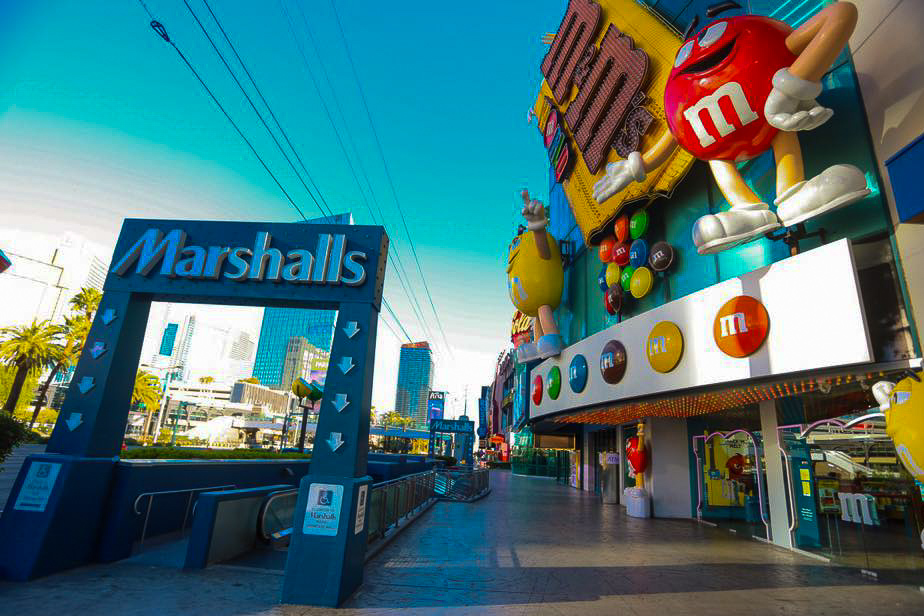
(301, 432)
(163, 404)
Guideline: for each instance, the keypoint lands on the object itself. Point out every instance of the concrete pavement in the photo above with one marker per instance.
(531, 547)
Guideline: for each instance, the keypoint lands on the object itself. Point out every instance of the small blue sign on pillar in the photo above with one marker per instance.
(63, 492)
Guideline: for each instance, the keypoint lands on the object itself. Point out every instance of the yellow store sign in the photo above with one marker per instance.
(601, 99)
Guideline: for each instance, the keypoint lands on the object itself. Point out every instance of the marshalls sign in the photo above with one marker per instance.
(258, 260)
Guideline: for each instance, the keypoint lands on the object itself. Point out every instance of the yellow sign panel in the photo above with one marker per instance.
(664, 347)
(806, 488)
(602, 99)
(804, 474)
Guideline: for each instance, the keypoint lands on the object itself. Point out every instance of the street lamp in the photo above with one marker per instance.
(314, 392)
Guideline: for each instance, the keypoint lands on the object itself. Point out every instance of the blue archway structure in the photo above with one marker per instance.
(462, 429)
(58, 502)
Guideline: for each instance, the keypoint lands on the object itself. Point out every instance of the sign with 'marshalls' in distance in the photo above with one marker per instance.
(252, 260)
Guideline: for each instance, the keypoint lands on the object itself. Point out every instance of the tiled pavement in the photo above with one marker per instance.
(531, 547)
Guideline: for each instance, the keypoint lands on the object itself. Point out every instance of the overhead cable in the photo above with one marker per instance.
(162, 32)
(257, 111)
(388, 176)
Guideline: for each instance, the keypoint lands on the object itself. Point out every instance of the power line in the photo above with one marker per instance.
(388, 325)
(275, 119)
(268, 108)
(162, 32)
(256, 111)
(400, 270)
(395, 317)
(388, 176)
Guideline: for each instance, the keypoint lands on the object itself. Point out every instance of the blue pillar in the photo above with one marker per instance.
(328, 547)
(54, 511)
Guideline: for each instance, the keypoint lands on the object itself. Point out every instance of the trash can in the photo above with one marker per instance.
(638, 504)
(610, 463)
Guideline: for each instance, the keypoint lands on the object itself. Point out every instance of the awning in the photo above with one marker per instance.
(838, 389)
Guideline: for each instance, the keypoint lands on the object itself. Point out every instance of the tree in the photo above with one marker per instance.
(86, 301)
(146, 392)
(75, 331)
(252, 379)
(25, 348)
(205, 380)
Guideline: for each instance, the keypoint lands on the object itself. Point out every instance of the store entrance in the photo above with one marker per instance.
(852, 500)
(731, 481)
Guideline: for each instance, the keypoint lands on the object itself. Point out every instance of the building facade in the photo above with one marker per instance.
(46, 271)
(275, 403)
(415, 378)
(734, 386)
(282, 324)
(279, 326)
(301, 360)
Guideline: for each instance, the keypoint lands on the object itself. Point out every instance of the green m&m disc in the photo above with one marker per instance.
(638, 224)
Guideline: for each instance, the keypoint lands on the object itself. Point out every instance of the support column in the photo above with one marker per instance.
(776, 476)
(55, 509)
(326, 555)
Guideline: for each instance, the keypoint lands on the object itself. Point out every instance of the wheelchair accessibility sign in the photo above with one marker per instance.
(322, 514)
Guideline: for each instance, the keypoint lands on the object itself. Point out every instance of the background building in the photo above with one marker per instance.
(301, 357)
(46, 272)
(415, 377)
(168, 339)
(280, 325)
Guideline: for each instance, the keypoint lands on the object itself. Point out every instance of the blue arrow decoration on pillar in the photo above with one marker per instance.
(109, 315)
(97, 349)
(86, 384)
(340, 402)
(73, 422)
(351, 329)
(346, 364)
(335, 441)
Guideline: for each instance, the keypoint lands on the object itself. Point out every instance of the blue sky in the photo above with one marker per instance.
(99, 120)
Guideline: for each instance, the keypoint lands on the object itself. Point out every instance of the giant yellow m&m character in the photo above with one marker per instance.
(903, 405)
(535, 279)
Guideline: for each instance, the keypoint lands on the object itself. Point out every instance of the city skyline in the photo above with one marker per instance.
(159, 148)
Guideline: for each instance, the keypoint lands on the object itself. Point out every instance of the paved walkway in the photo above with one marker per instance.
(531, 547)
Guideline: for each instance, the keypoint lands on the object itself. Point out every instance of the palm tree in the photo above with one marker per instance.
(75, 331)
(86, 301)
(146, 392)
(27, 348)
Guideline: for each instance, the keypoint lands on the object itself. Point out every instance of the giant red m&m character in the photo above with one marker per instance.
(740, 86)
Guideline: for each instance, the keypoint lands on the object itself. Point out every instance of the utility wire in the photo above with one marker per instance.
(162, 32)
(400, 270)
(388, 176)
(275, 120)
(268, 108)
(397, 320)
(257, 111)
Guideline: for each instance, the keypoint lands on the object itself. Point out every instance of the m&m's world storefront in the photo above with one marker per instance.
(734, 342)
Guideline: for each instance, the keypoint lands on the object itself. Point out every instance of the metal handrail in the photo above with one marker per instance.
(409, 493)
(264, 507)
(190, 491)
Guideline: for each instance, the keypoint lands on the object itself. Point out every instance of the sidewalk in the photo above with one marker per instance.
(530, 547)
